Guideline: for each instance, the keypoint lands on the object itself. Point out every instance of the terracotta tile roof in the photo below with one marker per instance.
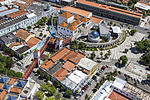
(74, 24)
(21, 33)
(2, 95)
(63, 24)
(18, 13)
(76, 57)
(15, 90)
(88, 3)
(78, 21)
(95, 20)
(114, 9)
(73, 56)
(23, 6)
(36, 51)
(77, 16)
(52, 40)
(32, 42)
(76, 11)
(14, 44)
(60, 74)
(66, 14)
(1, 85)
(85, 19)
(12, 80)
(46, 65)
(116, 96)
(68, 66)
(72, 28)
(59, 54)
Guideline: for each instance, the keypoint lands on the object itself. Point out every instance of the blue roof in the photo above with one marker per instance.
(3, 8)
(12, 98)
(21, 83)
(3, 80)
(6, 86)
(95, 33)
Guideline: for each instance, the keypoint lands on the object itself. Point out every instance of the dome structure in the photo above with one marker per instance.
(95, 34)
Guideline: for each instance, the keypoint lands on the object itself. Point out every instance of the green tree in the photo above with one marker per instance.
(56, 84)
(62, 88)
(50, 98)
(39, 95)
(18, 74)
(29, 27)
(41, 34)
(44, 87)
(148, 76)
(76, 92)
(132, 32)
(82, 45)
(57, 97)
(126, 50)
(149, 36)
(92, 55)
(123, 60)
(86, 96)
(11, 73)
(109, 52)
(9, 63)
(68, 93)
(51, 91)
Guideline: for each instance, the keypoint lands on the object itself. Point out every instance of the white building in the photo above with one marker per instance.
(104, 31)
(75, 80)
(142, 5)
(68, 24)
(18, 22)
(116, 29)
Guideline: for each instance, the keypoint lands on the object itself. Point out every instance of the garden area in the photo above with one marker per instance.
(6, 63)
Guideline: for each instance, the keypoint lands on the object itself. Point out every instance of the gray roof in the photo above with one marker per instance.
(8, 37)
(22, 49)
(3, 8)
(12, 21)
(8, 12)
(54, 68)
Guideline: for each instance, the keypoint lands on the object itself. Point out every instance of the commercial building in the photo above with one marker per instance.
(142, 5)
(112, 91)
(16, 89)
(94, 36)
(88, 66)
(110, 12)
(64, 67)
(77, 11)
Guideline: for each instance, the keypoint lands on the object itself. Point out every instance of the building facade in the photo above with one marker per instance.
(110, 12)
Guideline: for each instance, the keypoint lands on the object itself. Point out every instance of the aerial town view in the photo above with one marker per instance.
(74, 49)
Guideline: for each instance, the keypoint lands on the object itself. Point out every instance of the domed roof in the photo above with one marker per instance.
(95, 33)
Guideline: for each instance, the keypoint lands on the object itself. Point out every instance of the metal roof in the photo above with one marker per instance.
(8, 12)
(3, 8)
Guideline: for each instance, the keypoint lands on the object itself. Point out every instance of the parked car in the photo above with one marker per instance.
(97, 73)
(86, 86)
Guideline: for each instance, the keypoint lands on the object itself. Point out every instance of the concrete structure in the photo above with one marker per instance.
(94, 36)
(108, 92)
(116, 29)
(77, 11)
(110, 12)
(143, 5)
(104, 31)
(15, 88)
(68, 23)
(88, 66)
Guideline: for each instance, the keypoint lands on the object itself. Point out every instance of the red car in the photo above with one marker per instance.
(86, 86)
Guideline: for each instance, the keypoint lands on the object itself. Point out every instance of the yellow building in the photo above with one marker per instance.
(88, 66)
